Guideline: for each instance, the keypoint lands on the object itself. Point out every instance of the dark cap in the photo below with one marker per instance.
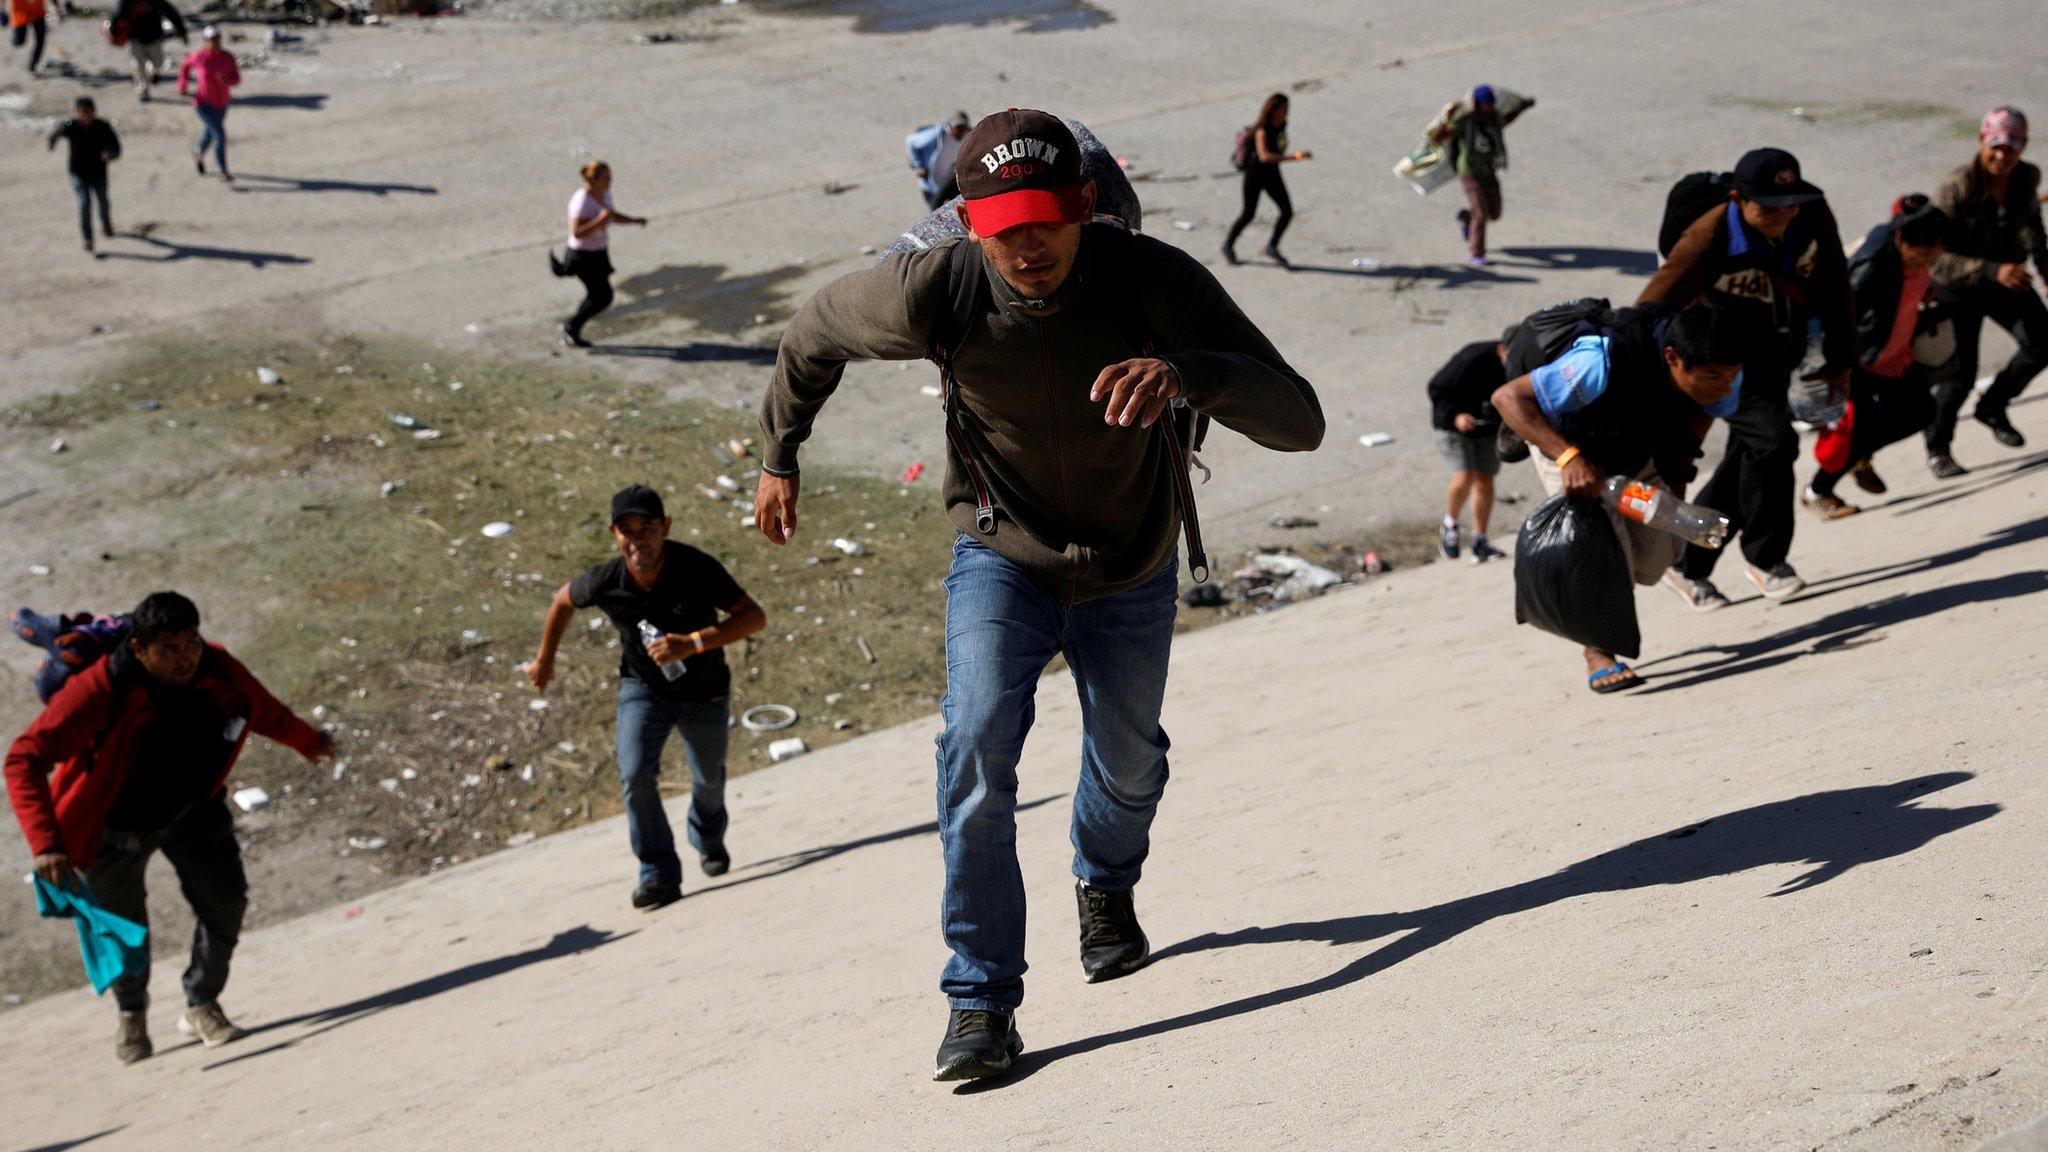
(1770, 176)
(638, 500)
(1019, 167)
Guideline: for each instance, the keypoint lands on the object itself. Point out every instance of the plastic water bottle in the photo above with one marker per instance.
(1652, 506)
(674, 668)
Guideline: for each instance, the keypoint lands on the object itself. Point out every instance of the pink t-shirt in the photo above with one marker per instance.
(209, 74)
(584, 206)
(1897, 355)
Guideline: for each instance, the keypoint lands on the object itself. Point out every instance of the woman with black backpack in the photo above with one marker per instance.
(1261, 149)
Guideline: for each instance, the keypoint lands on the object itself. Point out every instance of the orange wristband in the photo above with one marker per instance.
(1565, 457)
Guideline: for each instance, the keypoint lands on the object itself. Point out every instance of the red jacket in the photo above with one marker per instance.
(65, 771)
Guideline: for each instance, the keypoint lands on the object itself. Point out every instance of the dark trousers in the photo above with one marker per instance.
(200, 844)
(1888, 409)
(1263, 178)
(594, 269)
(1754, 486)
(942, 193)
(86, 189)
(2024, 317)
(645, 720)
(1482, 203)
(40, 29)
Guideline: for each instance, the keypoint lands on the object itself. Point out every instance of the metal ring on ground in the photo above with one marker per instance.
(768, 718)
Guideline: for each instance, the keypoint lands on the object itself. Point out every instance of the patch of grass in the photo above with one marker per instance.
(1861, 113)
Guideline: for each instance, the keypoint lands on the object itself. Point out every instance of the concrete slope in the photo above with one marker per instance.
(1413, 886)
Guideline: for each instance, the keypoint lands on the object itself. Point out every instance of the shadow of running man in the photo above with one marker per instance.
(581, 938)
(1832, 832)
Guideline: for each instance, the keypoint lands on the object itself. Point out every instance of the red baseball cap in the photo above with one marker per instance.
(2004, 126)
(1018, 167)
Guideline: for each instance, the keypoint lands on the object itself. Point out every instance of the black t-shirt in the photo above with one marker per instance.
(692, 590)
(90, 145)
(180, 753)
(1466, 386)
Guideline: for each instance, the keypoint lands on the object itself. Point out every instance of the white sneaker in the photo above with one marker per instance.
(1699, 595)
(1779, 583)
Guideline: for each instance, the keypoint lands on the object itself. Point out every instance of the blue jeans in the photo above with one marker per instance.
(214, 131)
(643, 727)
(86, 190)
(1002, 629)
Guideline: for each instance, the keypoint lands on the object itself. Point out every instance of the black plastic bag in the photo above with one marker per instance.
(1572, 577)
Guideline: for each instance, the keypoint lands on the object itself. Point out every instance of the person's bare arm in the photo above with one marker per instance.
(1516, 403)
(582, 228)
(1268, 156)
(742, 619)
(560, 612)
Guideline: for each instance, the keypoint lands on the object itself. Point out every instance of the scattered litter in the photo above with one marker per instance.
(388, 487)
(250, 799)
(1294, 522)
(768, 718)
(597, 623)
(726, 482)
(866, 651)
(389, 783)
(1184, 225)
(1375, 439)
(841, 725)
(832, 698)
(39, 569)
(849, 547)
(1364, 262)
(13, 999)
(472, 329)
(1282, 578)
(834, 187)
(911, 473)
(340, 767)
(1511, 498)
(1919, 952)
(932, 390)
(426, 434)
(538, 705)
(760, 317)
(1373, 564)
(402, 420)
(149, 406)
(59, 445)
(497, 529)
(788, 749)
(518, 838)
(268, 376)
(867, 249)
(655, 38)
(526, 773)
(352, 913)
(367, 843)
(473, 780)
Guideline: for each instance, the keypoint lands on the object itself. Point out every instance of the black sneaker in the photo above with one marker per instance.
(573, 339)
(1112, 944)
(715, 862)
(1273, 254)
(1230, 255)
(1944, 466)
(2001, 429)
(1447, 541)
(1483, 550)
(648, 897)
(978, 1043)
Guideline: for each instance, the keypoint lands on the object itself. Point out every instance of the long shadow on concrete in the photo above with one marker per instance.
(1444, 275)
(257, 182)
(782, 865)
(1830, 832)
(171, 252)
(2026, 532)
(694, 352)
(67, 1145)
(581, 938)
(1849, 628)
(1627, 261)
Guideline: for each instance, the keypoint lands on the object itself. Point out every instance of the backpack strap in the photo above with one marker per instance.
(967, 284)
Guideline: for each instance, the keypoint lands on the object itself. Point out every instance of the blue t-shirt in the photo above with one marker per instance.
(1579, 377)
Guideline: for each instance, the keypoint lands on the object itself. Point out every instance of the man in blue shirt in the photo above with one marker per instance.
(1634, 398)
(933, 148)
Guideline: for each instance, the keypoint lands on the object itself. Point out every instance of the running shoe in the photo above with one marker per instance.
(1447, 541)
(1827, 505)
(1944, 466)
(1483, 550)
(1112, 944)
(1779, 583)
(131, 1040)
(648, 897)
(2001, 429)
(1866, 477)
(979, 1042)
(1699, 595)
(209, 1024)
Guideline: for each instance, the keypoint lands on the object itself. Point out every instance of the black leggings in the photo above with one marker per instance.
(41, 29)
(1263, 178)
(594, 268)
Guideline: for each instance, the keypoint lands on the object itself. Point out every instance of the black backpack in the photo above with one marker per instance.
(1695, 194)
(1185, 429)
(1545, 335)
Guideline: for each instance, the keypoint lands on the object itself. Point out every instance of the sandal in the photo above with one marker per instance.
(1626, 678)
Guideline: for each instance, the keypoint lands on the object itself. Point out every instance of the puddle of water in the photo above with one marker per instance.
(704, 295)
(898, 16)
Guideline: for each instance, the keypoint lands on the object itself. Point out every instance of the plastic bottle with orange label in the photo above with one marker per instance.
(1654, 507)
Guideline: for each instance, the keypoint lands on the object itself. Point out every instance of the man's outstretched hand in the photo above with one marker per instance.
(775, 507)
(1138, 391)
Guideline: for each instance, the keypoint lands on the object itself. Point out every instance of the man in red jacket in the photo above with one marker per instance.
(133, 755)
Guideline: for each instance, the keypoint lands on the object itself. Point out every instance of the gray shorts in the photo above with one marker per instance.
(1469, 452)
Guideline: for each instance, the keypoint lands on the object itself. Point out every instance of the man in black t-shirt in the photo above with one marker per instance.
(93, 146)
(665, 599)
(1461, 412)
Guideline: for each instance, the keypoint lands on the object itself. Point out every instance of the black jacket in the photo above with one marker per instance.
(1465, 386)
(1642, 417)
(145, 20)
(1876, 277)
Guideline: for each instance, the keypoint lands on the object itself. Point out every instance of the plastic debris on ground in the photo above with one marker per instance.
(497, 529)
(367, 843)
(1294, 522)
(911, 473)
(401, 420)
(788, 749)
(850, 547)
(59, 445)
(1375, 439)
(768, 718)
(250, 799)
(268, 376)
(1282, 579)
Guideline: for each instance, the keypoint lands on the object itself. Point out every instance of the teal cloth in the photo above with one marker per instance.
(111, 946)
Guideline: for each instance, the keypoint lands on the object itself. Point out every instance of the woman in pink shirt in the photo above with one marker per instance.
(589, 259)
(212, 68)
(1888, 389)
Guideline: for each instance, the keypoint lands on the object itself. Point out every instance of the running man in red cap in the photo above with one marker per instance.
(1075, 355)
(1994, 209)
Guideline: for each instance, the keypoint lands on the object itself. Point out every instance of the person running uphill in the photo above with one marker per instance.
(140, 25)
(30, 21)
(210, 75)
(664, 598)
(1475, 130)
(1262, 175)
(1771, 251)
(1634, 398)
(93, 146)
(1994, 229)
(131, 757)
(1461, 411)
(932, 150)
(591, 216)
(1065, 480)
